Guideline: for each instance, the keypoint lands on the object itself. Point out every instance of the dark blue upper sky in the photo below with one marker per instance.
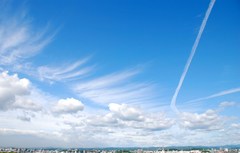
(159, 34)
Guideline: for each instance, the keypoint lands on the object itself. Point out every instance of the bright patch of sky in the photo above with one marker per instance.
(106, 73)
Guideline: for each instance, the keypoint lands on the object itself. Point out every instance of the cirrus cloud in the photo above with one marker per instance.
(19, 40)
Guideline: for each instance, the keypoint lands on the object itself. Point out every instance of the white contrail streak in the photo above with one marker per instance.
(219, 94)
(195, 45)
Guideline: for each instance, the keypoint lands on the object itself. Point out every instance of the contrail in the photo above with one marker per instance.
(195, 45)
(219, 94)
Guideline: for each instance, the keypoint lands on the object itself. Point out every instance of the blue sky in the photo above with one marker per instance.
(108, 70)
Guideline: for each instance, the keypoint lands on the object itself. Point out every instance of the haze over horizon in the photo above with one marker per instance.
(119, 73)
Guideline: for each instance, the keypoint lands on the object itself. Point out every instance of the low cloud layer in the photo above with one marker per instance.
(120, 122)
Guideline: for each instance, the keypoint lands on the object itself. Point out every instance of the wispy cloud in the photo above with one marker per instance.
(108, 80)
(65, 71)
(116, 88)
(195, 45)
(227, 104)
(219, 94)
(18, 39)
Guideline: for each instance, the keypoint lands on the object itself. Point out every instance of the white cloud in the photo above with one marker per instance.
(123, 124)
(107, 81)
(189, 61)
(25, 117)
(11, 87)
(107, 129)
(18, 93)
(208, 120)
(128, 117)
(219, 94)
(18, 39)
(107, 120)
(227, 104)
(153, 123)
(157, 122)
(116, 88)
(126, 112)
(27, 138)
(12, 131)
(236, 125)
(64, 72)
(69, 105)
(26, 103)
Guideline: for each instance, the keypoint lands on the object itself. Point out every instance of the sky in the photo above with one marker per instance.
(119, 73)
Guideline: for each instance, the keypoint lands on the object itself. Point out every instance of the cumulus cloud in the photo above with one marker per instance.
(126, 112)
(107, 120)
(68, 105)
(151, 123)
(27, 104)
(11, 87)
(157, 122)
(135, 118)
(129, 117)
(208, 120)
(17, 93)
(112, 128)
